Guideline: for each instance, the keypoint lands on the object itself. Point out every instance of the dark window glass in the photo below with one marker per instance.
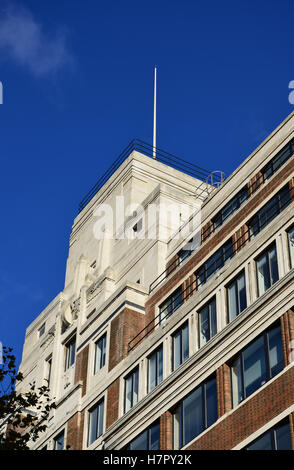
(236, 295)
(278, 161)
(59, 441)
(207, 322)
(261, 360)
(131, 389)
(171, 304)
(276, 438)
(96, 422)
(230, 208)
(267, 269)
(100, 353)
(195, 413)
(147, 440)
(155, 369)
(291, 245)
(180, 346)
(269, 211)
(215, 262)
(70, 351)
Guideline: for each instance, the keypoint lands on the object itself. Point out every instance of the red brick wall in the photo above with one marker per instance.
(251, 416)
(81, 369)
(75, 427)
(123, 328)
(287, 328)
(112, 403)
(223, 385)
(166, 431)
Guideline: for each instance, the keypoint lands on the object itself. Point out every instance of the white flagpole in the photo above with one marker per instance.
(154, 115)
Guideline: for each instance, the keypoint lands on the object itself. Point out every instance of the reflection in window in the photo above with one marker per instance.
(214, 263)
(59, 441)
(171, 304)
(236, 295)
(261, 360)
(96, 422)
(70, 351)
(147, 440)
(195, 413)
(291, 245)
(131, 389)
(100, 354)
(267, 269)
(180, 346)
(207, 322)
(155, 369)
(276, 438)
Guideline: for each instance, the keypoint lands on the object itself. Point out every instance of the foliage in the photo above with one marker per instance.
(23, 415)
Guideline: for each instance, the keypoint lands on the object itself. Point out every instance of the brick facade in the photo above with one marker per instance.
(81, 369)
(75, 427)
(112, 403)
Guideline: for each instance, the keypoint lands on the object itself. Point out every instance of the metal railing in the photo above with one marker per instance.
(161, 156)
(205, 234)
(218, 263)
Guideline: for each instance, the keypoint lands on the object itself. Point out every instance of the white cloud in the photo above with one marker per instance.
(22, 38)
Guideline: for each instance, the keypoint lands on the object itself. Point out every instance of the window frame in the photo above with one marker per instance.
(233, 281)
(55, 439)
(180, 330)
(70, 357)
(158, 381)
(207, 305)
(127, 377)
(98, 405)
(102, 338)
(266, 252)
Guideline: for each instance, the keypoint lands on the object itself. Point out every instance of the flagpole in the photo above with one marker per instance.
(154, 115)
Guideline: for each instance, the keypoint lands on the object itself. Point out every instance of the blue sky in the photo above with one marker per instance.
(78, 86)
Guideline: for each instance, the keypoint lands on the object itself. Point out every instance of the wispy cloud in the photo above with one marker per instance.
(23, 39)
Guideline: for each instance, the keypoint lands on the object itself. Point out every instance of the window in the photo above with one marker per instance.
(236, 296)
(147, 440)
(215, 262)
(155, 369)
(261, 360)
(180, 342)
(171, 304)
(195, 413)
(42, 330)
(230, 208)
(59, 441)
(70, 351)
(291, 245)
(278, 161)
(100, 353)
(267, 269)
(276, 438)
(48, 367)
(207, 322)
(95, 422)
(269, 211)
(131, 389)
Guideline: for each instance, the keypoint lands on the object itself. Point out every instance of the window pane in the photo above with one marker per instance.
(140, 442)
(59, 442)
(185, 342)
(159, 365)
(154, 437)
(177, 428)
(135, 387)
(273, 263)
(263, 276)
(152, 371)
(242, 293)
(254, 366)
(213, 318)
(211, 402)
(128, 402)
(93, 425)
(232, 301)
(276, 358)
(177, 349)
(237, 392)
(193, 415)
(264, 442)
(283, 438)
(98, 356)
(204, 335)
(100, 418)
(291, 246)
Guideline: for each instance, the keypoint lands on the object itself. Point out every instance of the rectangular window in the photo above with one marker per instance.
(278, 160)
(155, 372)
(70, 352)
(267, 269)
(48, 368)
(261, 360)
(215, 262)
(195, 413)
(100, 353)
(42, 330)
(228, 210)
(291, 245)
(131, 389)
(236, 296)
(207, 322)
(276, 438)
(59, 441)
(95, 422)
(269, 211)
(180, 342)
(171, 304)
(147, 440)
